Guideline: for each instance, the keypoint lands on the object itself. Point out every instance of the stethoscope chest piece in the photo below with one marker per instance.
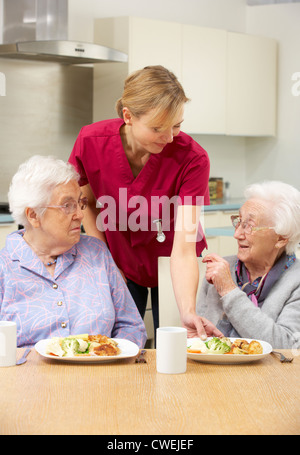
(160, 237)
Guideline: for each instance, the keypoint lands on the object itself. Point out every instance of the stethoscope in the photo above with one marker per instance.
(160, 237)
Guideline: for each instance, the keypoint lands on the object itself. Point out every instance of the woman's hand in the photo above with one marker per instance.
(198, 326)
(218, 274)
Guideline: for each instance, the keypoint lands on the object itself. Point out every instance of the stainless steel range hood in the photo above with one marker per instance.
(38, 30)
(67, 52)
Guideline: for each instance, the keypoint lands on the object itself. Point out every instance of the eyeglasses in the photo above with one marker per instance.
(247, 228)
(70, 207)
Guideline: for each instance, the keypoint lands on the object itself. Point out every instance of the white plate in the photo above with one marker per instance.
(128, 349)
(229, 358)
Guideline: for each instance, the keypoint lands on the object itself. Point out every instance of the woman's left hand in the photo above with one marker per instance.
(218, 274)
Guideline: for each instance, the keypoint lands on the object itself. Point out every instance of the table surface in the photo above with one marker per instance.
(45, 396)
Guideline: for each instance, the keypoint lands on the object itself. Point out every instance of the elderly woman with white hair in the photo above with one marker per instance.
(256, 294)
(55, 282)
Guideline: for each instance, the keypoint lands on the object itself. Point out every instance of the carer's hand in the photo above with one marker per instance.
(198, 326)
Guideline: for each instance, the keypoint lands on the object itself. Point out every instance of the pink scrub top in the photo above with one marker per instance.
(131, 204)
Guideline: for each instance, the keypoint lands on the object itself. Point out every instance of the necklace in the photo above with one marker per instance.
(48, 263)
(52, 263)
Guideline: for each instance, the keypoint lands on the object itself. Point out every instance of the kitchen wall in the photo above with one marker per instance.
(46, 104)
(227, 154)
(237, 159)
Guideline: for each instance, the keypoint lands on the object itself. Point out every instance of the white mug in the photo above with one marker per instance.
(171, 350)
(8, 343)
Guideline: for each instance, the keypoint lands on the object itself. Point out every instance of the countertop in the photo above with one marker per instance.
(225, 231)
(221, 204)
(6, 218)
(231, 205)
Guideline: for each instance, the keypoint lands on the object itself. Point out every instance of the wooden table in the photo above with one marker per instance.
(124, 398)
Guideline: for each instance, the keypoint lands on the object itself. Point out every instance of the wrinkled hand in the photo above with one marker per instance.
(198, 326)
(218, 274)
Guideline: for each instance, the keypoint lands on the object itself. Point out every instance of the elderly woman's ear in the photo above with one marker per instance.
(281, 242)
(32, 217)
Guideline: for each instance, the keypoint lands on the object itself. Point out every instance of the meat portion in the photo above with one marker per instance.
(101, 345)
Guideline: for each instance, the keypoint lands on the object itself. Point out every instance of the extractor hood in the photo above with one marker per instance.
(67, 52)
(38, 30)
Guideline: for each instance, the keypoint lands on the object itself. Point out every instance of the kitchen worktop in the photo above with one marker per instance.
(221, 204)
(231, 205)
(6, 218)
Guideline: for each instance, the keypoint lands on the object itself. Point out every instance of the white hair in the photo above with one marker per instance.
(34, 182)
(285, 206)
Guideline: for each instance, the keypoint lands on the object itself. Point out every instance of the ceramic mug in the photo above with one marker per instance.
(8, 343)
(171, 350)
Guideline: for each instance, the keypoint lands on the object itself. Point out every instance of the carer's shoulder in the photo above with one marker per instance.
(102, 128)
(187, 143)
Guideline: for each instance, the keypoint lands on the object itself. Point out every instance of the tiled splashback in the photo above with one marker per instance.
(44, 107)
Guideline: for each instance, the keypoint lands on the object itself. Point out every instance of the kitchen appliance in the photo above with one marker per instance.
(38, 30)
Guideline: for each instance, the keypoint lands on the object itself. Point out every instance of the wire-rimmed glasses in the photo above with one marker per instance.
(245, 225)
(70, 207)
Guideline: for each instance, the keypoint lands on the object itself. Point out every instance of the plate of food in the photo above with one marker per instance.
(227, 350)
(87, 348)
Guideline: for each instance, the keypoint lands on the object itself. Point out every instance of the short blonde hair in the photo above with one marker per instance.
(152, 88)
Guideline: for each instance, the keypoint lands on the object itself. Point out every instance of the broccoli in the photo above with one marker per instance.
(70, 346)
(215, 345)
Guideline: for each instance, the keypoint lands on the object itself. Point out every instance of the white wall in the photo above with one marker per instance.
(278, 158)
(228, 14)
(227, 159)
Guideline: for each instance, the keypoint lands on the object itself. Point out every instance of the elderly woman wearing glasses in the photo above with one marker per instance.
(256, 294)
(55, 282)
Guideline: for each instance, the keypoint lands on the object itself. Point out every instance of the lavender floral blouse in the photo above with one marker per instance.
(86, 295)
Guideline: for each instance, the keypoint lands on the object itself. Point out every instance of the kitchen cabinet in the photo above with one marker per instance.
(251, 85)
(204, 79)
(146, 41)
(230, 78)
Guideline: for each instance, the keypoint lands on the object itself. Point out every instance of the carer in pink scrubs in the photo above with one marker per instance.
(146, 182)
